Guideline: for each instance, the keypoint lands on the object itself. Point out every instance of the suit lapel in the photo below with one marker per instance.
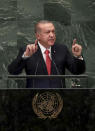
(53, 52)
(53, 63)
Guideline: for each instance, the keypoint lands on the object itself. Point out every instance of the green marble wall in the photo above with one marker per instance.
(73, 19)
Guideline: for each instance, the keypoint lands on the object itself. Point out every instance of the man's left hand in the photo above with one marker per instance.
(76, 49)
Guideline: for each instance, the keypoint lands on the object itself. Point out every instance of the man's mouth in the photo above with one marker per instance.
(51, 40)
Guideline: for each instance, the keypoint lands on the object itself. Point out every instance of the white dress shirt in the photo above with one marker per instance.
(43, 49)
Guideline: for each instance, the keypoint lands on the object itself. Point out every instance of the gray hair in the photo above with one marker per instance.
(37, 29)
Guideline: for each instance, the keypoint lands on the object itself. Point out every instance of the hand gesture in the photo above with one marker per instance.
(76, 49)
(31, 49)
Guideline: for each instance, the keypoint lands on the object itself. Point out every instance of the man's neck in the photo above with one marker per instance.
(46, 47)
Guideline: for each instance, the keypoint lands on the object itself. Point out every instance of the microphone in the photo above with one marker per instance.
(57, 71)
(35, 73)
(36, 68)
(54, 51)
(55, 63)
(56, 67)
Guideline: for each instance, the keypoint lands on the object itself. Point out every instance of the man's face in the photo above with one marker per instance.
(46, 36)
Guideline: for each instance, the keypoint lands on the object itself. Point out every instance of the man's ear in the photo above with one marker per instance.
(37, 36)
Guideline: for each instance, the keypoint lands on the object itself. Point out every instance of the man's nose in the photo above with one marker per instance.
(51, 34)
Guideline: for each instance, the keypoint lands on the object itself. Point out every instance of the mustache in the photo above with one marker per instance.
(52, 39)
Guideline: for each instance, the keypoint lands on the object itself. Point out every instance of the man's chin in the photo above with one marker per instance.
(51, 43)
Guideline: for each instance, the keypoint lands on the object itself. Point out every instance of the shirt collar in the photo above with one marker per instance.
(43, 48)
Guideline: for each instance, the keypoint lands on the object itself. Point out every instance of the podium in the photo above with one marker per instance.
(46, 81)
(47, 109)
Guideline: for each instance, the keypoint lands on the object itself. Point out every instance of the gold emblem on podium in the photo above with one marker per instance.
(47, 105)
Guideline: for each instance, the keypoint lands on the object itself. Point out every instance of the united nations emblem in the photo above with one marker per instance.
(47, 105)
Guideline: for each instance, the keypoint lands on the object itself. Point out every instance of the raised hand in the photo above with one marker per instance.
(31, 49)
(76, 49)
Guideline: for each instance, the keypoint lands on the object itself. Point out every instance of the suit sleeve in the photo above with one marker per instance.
(17, 65)
(73, 64)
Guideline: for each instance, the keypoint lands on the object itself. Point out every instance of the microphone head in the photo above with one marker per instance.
(54, 51)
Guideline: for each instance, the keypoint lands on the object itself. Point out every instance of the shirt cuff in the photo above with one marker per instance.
(79, 57)
(25, 57)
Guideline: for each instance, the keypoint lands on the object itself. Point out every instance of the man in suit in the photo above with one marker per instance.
(44, 57)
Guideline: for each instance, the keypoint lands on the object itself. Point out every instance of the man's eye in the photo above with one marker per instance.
(47, 32)
(53, 32)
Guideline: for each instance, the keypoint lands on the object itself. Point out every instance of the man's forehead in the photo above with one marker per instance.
(46, 25)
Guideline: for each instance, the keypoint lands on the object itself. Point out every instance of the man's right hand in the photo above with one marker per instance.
(31, 49)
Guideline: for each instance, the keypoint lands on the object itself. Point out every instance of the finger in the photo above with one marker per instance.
(33, 49)
(36, 41)
(74, 41)
(28, 48)
(76, 49)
